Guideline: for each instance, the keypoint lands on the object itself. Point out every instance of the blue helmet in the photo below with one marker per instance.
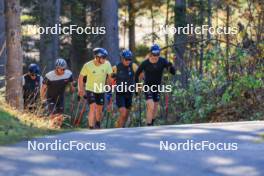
(34, 68)
(155, 49)
(127, 54)
(100, 52)
(61, 63)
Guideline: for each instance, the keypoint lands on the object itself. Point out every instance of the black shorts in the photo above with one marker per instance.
(56, 105)
(155, 96)
(124, 100)
(97, 98)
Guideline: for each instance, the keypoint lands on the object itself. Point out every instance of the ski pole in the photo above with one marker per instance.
(166, 106)
(77, 111)
(108, 109)
(140, 110)
(72, 100)
(107, 119)
(77, 123)
(72, 106)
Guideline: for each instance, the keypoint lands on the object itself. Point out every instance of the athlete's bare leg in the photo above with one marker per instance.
(150, 110)
(91, 115)
(123, 115)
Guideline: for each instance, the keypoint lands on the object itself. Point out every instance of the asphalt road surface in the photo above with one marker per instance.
(232, 149)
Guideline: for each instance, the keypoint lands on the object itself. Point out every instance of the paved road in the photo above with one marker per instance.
(136, 152)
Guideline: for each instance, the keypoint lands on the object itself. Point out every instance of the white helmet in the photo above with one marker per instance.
(61, 63)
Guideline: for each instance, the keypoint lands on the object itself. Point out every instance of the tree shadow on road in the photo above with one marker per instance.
(136, 151)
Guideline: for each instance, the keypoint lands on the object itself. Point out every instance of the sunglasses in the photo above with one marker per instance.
(101, 56)
(62, 69)
(155, 54)
(32, 74)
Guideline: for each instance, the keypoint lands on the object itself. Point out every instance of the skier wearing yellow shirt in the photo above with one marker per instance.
(97, 71)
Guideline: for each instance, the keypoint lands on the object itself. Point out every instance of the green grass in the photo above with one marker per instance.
(262, 136)
(13, 129)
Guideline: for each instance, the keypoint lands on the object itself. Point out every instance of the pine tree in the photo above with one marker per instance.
(2, 44)
(14, 64)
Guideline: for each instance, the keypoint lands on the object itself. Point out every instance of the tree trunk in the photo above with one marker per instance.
(192, 19)
(152, 24)
(167, 23)
(209, 17)
(93, 18)
(56, 40)
(180, 20)
(227, 42)
(49, 16)
(110, 21)
(202, 38)
(131, 25)
(14, 66)
(78, 54)
(2, 45)
(124, 28)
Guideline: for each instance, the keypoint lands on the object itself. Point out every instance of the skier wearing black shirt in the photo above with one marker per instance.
(32, 82)
(153, 68)
(124, 72)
